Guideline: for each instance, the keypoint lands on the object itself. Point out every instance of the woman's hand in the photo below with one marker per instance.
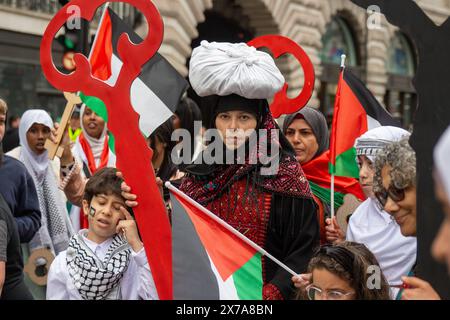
(418, 290)
(301, 281)
(130, 198)
(333, 231)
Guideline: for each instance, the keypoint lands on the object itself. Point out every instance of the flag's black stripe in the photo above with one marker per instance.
(157, 74)
(368, 101)
(193, 278)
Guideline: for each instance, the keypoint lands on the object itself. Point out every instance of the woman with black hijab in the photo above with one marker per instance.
(307, 131)
(274, 208)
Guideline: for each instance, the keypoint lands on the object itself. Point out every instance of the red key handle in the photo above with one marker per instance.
(280, 45)
(133, 154)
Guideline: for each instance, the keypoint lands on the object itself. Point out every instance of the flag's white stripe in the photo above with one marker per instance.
(227, 289)
(152, 111)
(372, 123)
(116, 66)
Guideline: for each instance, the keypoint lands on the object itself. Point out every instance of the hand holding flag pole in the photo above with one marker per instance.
(133, 154)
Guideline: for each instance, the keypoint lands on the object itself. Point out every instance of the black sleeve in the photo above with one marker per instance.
(27, 212)
(293, 235)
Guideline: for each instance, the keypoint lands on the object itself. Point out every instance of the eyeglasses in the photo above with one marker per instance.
(315, 293)
(394, 193)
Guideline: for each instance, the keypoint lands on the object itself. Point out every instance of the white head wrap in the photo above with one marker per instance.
(371, 142)
(221, 68)
(441, 160)
(39, 163)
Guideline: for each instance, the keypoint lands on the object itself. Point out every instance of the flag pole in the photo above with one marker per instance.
(343, 57)
(96, 35)
(228, 227)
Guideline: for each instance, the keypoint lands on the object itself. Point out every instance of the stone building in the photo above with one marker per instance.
(383, 57)
(377, 52)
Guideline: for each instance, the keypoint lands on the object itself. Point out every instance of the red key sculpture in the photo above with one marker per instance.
(280, 45)
(133, 154)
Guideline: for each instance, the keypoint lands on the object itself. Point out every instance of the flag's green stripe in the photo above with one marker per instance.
(68, 206)
(248, 279)
(324, 195)
(96, 105)
(346, 165)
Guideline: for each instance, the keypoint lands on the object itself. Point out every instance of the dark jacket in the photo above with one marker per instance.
(18, 190)
(14, 287)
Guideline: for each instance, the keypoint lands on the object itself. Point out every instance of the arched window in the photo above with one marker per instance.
(401, 58)
(400, 98)
(338, 40)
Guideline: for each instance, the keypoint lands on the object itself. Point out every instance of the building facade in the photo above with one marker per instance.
(383, 57)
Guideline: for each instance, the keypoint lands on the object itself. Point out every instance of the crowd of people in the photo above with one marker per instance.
(67, 229)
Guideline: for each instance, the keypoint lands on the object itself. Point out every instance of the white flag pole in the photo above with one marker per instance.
(343, 57)
(228, 227)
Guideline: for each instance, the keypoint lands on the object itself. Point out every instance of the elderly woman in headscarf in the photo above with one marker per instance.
(56, 229)
(263, 195)
(371, 225)
(307, 131)
(395, 190)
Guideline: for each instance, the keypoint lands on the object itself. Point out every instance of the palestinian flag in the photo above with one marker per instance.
(316, 172)
(356, 111)
(155, 94)
(209, 261)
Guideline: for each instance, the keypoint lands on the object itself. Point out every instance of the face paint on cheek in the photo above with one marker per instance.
(92, 211)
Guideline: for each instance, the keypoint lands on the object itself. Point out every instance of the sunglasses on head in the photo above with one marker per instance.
(394, 193)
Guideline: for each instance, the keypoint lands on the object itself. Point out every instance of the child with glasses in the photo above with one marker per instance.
(345, 271)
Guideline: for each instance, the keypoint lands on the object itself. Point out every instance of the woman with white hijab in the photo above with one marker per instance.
(56, 229)
(371, 225)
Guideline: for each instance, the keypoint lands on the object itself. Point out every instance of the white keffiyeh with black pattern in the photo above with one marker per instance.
(96, 279)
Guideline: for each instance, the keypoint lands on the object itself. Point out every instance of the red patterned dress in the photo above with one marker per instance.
(277, 212)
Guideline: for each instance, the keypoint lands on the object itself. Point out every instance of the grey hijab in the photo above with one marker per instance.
(318, 124)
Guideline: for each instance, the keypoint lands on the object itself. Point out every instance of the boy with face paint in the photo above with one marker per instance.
(108, 260)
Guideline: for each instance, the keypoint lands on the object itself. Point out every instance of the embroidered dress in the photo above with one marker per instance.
(277, 212)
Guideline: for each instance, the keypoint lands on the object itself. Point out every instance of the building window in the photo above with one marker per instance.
(401, 58)
(337, 40)
(401, 98)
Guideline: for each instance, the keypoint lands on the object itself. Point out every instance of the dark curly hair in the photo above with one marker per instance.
(104, 181)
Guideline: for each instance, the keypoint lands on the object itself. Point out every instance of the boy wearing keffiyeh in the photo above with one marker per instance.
(108, 260)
